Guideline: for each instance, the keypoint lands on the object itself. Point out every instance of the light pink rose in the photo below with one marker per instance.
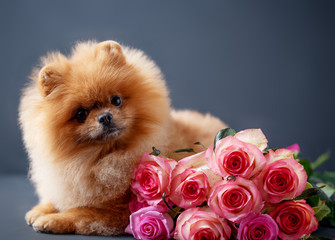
(234, 200)
(235, 157)
(257, 226)
(150, 223)
(135, 205)
(201, 223)
(281, 179)
(152, 178)
(295, 219)
(294, 147)
(191, 181)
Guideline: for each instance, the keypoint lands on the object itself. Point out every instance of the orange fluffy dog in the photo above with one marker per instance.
(86, 118)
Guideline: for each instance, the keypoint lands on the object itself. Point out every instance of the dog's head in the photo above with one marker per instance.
(102, 94)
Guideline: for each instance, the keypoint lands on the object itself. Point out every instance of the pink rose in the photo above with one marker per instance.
(234, 200)
(191, 180)
(257, 226)
(152, 178)
(235, 157)
(150, 223)
(294, 147)
(201, 223)
(295, 219)
(135, 205)
(283, 178)
(189, 189)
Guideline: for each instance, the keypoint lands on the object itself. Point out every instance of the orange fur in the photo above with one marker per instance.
(82, 176)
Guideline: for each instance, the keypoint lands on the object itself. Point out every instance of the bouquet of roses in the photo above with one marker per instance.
(237, 188)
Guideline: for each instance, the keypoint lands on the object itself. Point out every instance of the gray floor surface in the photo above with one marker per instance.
(17, 197)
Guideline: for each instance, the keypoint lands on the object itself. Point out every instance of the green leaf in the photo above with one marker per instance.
(323, 177)
(295, 154)
(223, 133)
(184, 150)
(308, 185)
(175, 212)
(318, 206)
(163, 197)
(310, 192)
(321, 238)
(329, 174)
(307, 166)
(320, 160)
(199, 143)
(313, 201)
(305, 237)
(322, 212)
(155, 151)
(328, 190)
(266, 150)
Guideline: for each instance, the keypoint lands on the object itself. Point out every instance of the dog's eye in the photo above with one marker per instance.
(81, 115)
(116, 101)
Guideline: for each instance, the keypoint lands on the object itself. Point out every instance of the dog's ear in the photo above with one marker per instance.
(110, 51)
(49, 79)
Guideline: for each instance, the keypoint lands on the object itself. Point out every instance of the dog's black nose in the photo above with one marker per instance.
(105, 119)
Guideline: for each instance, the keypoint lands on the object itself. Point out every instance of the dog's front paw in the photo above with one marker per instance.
(38, 211)
(53, 223)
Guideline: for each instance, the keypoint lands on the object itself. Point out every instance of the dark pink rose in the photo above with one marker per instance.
(152, 178)
(257, 226)
(150, 223)
(135, 205)
(201, 223)
(191, 181)
(235, 157)
(294, 219)
(283, 178)
(234, 200)
(294, 147)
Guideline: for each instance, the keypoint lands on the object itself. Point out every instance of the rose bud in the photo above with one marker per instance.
(152, 179)
(257, 226)
(283, 178)
(295, 219)
(150, 223)
(201, 223)
(294, 147)
(235, 157)
(191, 181)
(234, 200)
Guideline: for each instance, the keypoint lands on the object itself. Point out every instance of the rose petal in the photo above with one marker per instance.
(253, 136)
(279, 154)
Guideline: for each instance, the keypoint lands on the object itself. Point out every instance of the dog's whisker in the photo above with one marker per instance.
(136, 118)
(83, 137)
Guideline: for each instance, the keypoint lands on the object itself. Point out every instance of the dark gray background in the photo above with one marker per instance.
(254, 64)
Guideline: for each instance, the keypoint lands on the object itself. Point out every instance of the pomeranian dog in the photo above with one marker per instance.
(86, 119)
